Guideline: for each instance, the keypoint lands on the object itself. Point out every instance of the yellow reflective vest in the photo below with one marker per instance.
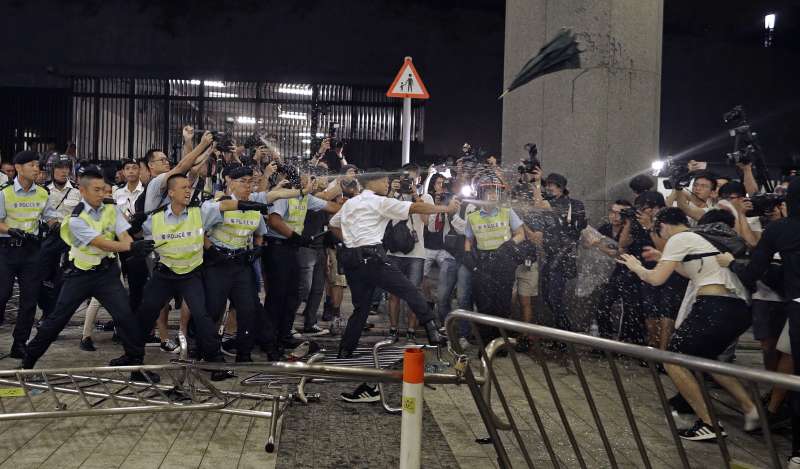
(88, 257)
(179, 246)
(490, 231)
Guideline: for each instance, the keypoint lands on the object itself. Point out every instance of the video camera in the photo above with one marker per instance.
(532, 163)
(407, 185)
(746, 149)
(628, 213)
(764, 203)
(677, 174)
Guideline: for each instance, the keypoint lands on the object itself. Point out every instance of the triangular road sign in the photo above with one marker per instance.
(408, 83)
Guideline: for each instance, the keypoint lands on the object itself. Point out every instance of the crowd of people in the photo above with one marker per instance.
(224, 225)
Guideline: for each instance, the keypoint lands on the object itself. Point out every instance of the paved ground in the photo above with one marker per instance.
(335, 434)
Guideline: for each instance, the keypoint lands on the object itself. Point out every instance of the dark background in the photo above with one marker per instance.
(713, 57)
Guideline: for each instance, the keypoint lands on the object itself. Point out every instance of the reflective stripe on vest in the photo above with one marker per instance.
(179, 246)
(87, 257)
(23, 212)
(490, 231)
(296, 216)
(237, 228)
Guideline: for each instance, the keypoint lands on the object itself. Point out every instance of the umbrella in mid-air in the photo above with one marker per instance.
(558, 54)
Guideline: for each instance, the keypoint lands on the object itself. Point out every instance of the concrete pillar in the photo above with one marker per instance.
(597, 125)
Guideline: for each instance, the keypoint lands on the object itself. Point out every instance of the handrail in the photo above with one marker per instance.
(790, 382)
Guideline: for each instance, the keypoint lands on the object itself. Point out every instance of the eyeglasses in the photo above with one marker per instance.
(160, 160)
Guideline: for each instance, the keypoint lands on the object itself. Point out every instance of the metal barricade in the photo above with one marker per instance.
(48, 393)
(611, 353)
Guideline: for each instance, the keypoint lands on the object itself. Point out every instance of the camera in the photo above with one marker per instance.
(628, 213)
(443, 198)
(764, 203)
(677, 175)
(292, 175)
(406, 183)
(744, 156)
(224, 140)
(532, 163)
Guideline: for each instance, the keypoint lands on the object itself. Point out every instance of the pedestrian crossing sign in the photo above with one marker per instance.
(408, 83)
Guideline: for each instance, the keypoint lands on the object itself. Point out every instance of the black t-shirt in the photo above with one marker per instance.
(314, 224)
(607, 230)
(332, 160)
(640, 238)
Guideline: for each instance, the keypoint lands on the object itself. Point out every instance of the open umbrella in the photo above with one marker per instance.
(558, 54)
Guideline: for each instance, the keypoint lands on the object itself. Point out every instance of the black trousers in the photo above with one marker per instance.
(164, 285)
(363, 279)
(554, 285)
(622, 285)
(50, 272)
(20, 263)
(229, 280)
(78, 287)
(492, 288)
(136, 271)
(282, 274)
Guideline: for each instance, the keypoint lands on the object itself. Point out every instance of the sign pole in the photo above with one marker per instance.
(406, 131)
(408, 85)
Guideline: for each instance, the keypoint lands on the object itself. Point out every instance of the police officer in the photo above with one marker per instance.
(95, 233)
(361, 224)
(227, 269)
(22, 204)
(491, 251)
(285, 235)
(63, 200)
(177, 230)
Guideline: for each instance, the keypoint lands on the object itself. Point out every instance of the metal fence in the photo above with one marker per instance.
(115, 118)
(611, 352)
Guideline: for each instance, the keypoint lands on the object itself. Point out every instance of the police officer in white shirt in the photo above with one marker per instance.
(63, 199)
(126, 195)
(361, 224)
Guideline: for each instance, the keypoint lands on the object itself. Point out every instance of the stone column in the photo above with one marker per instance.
(597, 125)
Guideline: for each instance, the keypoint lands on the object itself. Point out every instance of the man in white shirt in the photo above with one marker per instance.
(63, 196)
(125, 196)
(361, 224)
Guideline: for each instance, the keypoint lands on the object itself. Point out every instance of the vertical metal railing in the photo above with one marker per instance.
(486, 327)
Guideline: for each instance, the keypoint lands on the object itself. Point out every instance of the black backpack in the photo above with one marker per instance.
(399, 238)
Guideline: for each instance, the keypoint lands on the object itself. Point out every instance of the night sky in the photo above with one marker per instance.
(713, 57)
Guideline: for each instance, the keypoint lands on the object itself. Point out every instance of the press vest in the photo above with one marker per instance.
(296, 216)
(23, 212)
(179, 246)
(490, 231)
(88, 257)
(237, 228)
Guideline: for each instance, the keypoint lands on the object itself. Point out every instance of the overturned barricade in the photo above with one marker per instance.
(523, 436)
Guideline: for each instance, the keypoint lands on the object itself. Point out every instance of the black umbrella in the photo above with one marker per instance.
(558, 54)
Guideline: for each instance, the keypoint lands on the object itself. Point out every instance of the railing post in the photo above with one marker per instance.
(411, 425)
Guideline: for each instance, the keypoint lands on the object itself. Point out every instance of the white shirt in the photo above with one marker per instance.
(363, 218)
(416, 223)
(700, 272)
(64, 200)
(125, 198)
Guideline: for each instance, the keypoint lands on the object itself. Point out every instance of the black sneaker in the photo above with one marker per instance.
(108, 326)
(363, 393)
(701, 431)
(393, 334)
(315, 331)
(87, 345)
(152, 341)
(411, 335)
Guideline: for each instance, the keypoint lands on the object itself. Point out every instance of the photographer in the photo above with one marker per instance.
(719, 314)
(640, 184)
(623, 285)
(331, 155)
(783, 237)
(701, 198)
(409, 259)
(562, 230)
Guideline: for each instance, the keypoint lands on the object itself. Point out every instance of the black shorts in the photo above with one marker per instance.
(663, 301)
(769, 317)
(712, 325)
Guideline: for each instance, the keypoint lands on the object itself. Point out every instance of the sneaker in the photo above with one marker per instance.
(228, 347)
(363, 393)
(701, 431)
(312, 331)
(752, 421)
(411, 335)
(87, 345)
(170, 346)
(794, 462)
(393, 334)
(152, 341)
(108, 326)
